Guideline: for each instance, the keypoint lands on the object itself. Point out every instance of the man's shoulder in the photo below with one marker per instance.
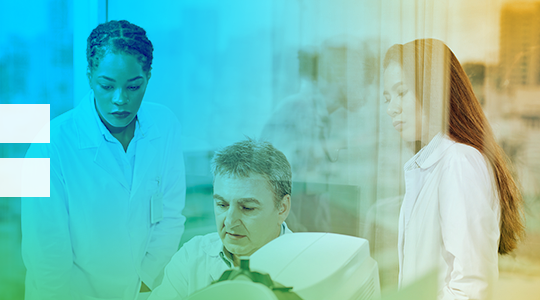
(203, 244)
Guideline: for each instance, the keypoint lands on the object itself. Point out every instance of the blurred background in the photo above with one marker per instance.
(230, 69)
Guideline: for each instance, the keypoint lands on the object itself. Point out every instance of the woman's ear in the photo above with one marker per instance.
(89, 76)
(284, 208)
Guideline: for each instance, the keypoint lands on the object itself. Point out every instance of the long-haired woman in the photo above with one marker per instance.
(462, 207)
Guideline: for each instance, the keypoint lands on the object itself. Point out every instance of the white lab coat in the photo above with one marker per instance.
(449, 222)
(93, 238)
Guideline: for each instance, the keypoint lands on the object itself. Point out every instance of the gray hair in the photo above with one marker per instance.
(247, 157)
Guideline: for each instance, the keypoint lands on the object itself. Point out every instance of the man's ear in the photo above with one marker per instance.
(284, 208)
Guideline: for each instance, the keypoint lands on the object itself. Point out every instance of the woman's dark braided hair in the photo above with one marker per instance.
(119, 37)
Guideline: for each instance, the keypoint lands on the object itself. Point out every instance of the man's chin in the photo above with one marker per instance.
(238, 250)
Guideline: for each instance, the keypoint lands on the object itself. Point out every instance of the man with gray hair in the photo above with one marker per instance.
(252, 188)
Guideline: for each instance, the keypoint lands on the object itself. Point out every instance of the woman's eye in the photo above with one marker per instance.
(402, 93)
(134, 88)
(386, 99)
(106, 87)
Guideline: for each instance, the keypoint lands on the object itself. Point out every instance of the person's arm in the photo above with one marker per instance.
(167, 232)
(175, 284)
(46, 242)
(469, 226)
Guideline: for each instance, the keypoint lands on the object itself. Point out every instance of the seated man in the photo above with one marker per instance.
(252, 187)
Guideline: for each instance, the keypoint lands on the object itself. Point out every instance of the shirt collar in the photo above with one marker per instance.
(430, 154)
(217, 249)
(92, 131)
(105, 133)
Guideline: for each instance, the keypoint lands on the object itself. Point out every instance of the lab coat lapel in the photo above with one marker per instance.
(90, 136)
(421, 180)
(415, 180)
(146, 153)
(416, 187)
(422, 185)
(412, 182)
(145, 162)
(107, 161)
(438, 153)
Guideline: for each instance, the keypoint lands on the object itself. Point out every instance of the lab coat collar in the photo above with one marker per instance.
(92, 132)
(438, 152)
(431, 153)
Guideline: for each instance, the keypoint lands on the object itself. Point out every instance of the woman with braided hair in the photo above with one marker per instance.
(462, 206)
(113, 218)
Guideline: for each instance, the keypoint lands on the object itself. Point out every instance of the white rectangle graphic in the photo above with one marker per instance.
(25, 177)
(24, 123)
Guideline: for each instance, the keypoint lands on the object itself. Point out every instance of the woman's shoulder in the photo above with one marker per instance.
(443, 151)
(61, 131)
(465, 161)
(466, 153)
(63, 122)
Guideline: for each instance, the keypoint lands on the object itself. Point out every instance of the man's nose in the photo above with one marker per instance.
(120, 97)
(233, 217)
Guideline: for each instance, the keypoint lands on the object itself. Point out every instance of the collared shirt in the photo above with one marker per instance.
(199, 262)
(227, 256)
(424, 153)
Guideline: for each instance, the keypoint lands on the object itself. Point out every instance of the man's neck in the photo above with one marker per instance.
(236, 258)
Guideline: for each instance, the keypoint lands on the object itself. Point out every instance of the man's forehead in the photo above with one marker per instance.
(230, 188)
(252, 177)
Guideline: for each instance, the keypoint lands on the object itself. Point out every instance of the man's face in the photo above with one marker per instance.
(246, 215)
